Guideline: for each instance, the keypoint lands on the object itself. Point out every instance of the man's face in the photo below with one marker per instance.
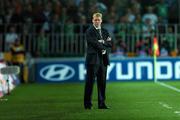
(97, 21)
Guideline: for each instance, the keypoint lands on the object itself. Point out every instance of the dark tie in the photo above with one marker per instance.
(100, 33)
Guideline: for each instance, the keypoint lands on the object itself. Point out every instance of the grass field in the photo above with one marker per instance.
(128, 101)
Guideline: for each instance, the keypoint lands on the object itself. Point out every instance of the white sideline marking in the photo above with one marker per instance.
(168, 86)
(177, 112)
(169, 107)
(165, 105)
(5, 99)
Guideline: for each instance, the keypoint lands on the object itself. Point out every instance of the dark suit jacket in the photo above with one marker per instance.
(94, 48)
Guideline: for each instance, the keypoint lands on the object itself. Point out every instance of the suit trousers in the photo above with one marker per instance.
(98, 72)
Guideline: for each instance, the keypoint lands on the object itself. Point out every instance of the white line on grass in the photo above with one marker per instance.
(165, 105)
(168, 86)
(170, 108)
(177, 112)
(3, 99)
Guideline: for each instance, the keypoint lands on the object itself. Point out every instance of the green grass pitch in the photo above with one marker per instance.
(128, 101)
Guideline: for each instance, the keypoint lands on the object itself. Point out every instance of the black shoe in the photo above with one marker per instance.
(103, 107)
(88, 107)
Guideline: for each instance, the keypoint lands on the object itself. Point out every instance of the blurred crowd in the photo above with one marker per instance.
(124, 19)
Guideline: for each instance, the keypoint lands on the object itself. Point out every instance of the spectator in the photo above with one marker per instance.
(147, 28)
(57, 5)
(120, 48)
(162, 11)
(72, 11)
(130, 16)
(17, 14)
(56, 24)
(81, 29)
(152, 17)
(42, 44)
(47, 16)
(113, 13)
(18, 57)
(28, 15)
(170, 38)
(78, 2)
(81, 10)
(120, 5)
(121, 28)
(163, 52)
(135, 6)
(69, 29)
(141, 48)
(10, 38)
(64, 16)
(165, 46)
(137, 26)
(144, 44)
(9, 13)
(101, 7)
(110, 26)
(28, 19)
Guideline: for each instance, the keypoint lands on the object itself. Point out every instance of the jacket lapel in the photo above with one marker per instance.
(96, 33)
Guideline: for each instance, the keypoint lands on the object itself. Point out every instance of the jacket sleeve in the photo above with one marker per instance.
(108, 44)
(91, 40)
(108, 40)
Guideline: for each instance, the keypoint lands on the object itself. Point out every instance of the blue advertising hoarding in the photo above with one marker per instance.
(130, 69)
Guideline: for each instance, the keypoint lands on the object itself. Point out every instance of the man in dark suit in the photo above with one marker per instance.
(98, 46)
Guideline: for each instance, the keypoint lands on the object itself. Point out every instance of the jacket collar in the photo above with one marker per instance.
(96, 27)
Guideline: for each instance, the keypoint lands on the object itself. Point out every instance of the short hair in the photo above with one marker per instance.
(97, 15)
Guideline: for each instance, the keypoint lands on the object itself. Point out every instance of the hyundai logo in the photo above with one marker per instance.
(57, 72)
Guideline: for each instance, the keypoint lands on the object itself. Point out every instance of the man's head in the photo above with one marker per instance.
(97, 19)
